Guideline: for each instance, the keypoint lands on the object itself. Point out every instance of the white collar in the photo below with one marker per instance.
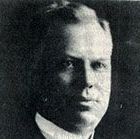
(52, 131)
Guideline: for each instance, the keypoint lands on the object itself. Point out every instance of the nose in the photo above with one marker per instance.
(85, 77)
(88, 77)
(89, 86)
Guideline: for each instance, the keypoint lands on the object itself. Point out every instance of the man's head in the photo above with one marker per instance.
(76, 67)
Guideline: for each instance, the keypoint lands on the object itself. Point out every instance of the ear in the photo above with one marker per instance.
(105, 25)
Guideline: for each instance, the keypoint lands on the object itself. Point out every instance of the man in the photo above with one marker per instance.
(58, 71)
(74, 71)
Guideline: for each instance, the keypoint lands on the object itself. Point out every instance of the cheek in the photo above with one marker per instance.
(104, 86)
(104, 80)
(65, 78)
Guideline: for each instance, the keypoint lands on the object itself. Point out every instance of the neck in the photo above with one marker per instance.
(52, 131)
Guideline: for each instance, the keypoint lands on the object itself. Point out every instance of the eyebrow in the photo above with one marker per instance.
(79, 59)
(102, 59)
(73, 58)
(68, 57)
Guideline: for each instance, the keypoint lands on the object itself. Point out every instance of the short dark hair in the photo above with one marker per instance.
(54, 16)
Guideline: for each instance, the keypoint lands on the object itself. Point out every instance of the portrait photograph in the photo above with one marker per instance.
(69, 69)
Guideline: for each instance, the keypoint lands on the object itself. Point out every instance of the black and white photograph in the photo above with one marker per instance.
(69, 69)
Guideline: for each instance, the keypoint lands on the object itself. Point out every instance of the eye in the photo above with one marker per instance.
(65, 64)
(68, 64)
(98, 66)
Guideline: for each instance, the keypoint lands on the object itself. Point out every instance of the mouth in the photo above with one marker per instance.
(80, 103)
(82, 99)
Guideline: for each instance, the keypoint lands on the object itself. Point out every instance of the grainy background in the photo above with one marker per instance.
(122, 120)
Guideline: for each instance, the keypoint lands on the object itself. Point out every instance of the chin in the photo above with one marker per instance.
(82, 119)
(89, 120)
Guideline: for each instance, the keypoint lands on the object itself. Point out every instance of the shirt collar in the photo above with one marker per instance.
(52, 131)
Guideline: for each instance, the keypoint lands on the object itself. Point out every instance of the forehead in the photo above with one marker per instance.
(88, 40)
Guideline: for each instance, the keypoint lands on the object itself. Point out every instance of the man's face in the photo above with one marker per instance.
(79, 84)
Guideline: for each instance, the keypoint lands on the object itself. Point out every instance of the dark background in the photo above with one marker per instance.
(122, 120)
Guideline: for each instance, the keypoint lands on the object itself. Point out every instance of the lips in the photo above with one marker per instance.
(80, 99)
